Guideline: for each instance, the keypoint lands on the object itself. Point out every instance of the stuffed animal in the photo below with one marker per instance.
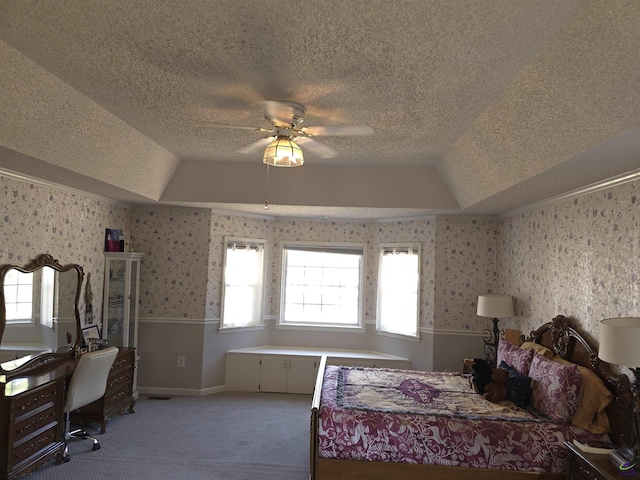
(487, 381)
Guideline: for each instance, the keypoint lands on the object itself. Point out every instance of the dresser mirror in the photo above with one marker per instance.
(39, 314)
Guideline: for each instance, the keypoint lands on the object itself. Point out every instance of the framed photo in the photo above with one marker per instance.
(90, 332)
(112, 240)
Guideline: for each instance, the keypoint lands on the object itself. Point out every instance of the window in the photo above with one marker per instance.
(243, 283)
(22, 304)
(398, 287)
(322, 285)
(18, 291)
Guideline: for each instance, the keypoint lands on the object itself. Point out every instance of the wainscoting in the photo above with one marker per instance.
(204, 348)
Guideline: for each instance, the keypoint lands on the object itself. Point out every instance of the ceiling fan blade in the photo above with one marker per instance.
(316, 147)
(337, 130)
(235, 127)
(256, 146)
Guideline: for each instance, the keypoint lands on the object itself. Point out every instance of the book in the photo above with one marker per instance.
(594, 446)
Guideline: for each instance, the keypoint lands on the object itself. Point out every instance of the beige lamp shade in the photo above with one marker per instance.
(620, 341)
(283, 152)
(495, 306)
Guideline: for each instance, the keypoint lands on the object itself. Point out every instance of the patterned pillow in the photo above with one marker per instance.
(515, 357)
(556, 388)
(518, 386)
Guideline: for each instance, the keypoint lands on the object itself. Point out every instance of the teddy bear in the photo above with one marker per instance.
(487, 381)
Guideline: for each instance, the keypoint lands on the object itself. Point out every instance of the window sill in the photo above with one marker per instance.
(20, 323)
(320, 328)
(399, 336)
(248, 328)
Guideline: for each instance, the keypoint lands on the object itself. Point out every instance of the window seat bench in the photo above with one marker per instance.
(294, 369)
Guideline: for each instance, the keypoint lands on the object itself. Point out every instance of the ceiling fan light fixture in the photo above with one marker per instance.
(283, 152)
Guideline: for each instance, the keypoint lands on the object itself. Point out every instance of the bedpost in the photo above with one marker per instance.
(315, 408)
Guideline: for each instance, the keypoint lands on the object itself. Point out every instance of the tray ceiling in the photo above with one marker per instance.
(479, 107)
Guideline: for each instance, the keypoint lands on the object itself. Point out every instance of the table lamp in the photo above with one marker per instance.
(494, 307)
(620, 345)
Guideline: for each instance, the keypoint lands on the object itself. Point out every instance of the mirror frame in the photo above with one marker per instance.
(45, 359)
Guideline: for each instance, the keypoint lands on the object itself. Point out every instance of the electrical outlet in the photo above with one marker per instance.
(181, 361)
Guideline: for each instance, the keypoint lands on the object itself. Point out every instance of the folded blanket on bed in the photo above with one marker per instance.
(435, 393)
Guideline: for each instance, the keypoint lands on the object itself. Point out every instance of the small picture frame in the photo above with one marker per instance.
(90, 332)
(113, 240)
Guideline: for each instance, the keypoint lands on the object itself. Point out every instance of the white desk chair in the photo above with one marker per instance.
(88, 384)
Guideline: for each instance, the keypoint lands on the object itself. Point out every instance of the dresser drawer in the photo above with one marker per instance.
(36, 398)
(123, 362)
(30, 446)
(117, 379)
(35, 420)
(113, 398)
(581, 470)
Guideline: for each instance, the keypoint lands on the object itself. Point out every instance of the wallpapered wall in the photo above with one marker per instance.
(173, 272)
(152, 237)
(38, 219)
(465, 268)
(578, 257)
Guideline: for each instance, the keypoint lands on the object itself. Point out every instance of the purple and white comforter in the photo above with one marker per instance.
(433, 418)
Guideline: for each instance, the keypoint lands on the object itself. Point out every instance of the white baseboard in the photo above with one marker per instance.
(190, 392)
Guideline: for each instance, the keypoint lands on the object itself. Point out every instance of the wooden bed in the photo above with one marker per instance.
(557, 335)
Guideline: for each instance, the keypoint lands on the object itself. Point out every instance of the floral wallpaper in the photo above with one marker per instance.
(579, 257)
(38, 219)
(174, 269)
(465, 268)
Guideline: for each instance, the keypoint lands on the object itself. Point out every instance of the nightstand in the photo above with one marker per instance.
(592, 466)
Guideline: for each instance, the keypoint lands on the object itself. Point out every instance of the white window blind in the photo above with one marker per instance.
(398, 289)
(243, 283)
(322, 285)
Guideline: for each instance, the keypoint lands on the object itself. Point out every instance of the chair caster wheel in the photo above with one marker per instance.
(96, 446)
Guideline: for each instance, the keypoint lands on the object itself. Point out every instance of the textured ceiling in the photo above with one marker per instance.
(478, 106)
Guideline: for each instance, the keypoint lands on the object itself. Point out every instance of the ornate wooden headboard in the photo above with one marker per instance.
(565, 341)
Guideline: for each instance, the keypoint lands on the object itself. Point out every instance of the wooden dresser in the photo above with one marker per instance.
(118, 396)
(32, 412)
(32, 421)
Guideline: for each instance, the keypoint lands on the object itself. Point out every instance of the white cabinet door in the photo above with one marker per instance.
(287, 374)
(273, 373)
(301, 376)
(242, 373)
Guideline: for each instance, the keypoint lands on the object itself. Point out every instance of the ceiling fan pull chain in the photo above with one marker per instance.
(266, 200)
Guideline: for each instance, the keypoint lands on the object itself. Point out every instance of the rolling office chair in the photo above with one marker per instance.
(88, 384)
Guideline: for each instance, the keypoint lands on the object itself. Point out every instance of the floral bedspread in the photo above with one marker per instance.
(433, 418)
(439, 393)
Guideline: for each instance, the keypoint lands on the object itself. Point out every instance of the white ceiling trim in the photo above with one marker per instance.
(596, 187)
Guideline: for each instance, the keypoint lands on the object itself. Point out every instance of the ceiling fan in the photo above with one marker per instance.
(286, 134)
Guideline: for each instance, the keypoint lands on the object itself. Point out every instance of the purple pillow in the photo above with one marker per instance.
(556, 388)
(516, 358)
